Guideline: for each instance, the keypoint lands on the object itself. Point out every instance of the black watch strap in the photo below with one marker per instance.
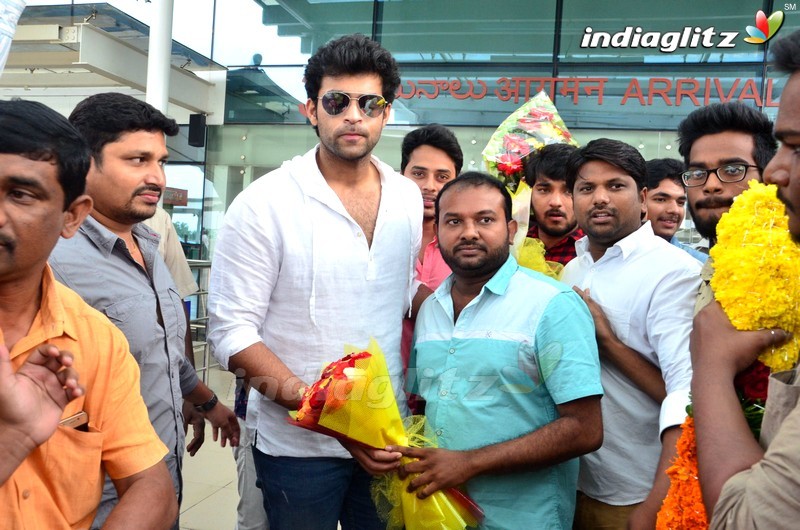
(208, 405)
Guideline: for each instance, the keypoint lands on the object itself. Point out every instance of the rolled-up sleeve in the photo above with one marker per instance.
(765, 496)
(188, 377)
(243, 274)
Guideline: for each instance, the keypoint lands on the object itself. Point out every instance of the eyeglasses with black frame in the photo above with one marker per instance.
(730, 173)
(335, 102)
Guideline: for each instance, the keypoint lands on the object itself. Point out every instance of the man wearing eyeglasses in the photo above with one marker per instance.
(315, 255)
(724, 146)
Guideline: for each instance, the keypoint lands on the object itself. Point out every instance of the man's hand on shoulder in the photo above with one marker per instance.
(639, 370)
(604, 331)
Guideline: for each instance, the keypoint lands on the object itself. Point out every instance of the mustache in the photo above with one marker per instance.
(7, 241)
(714, 202)
(562, 213)
(352, 130)
(148, 187)
(610, 211)
(469, 245)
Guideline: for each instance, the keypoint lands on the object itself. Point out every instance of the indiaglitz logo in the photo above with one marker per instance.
(667, 42)
(765, 28)
(687, 38)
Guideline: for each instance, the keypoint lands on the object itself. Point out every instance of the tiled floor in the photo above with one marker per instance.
(209, 477)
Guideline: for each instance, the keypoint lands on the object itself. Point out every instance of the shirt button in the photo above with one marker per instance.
(439, 432)
(452, 350)
(26, 494)
(358, 234)
(443, 393)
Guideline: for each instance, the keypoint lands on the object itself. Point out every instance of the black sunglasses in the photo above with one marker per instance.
(335, 102)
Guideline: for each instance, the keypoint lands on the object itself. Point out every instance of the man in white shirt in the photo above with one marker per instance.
(315, 255)
(641, 292)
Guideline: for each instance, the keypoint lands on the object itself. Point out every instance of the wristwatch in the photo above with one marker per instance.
(208, 405)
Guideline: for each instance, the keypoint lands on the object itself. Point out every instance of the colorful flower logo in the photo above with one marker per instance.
(765, 28)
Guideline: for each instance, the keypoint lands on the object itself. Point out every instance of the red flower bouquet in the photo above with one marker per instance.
(354, 400)
(532, 126)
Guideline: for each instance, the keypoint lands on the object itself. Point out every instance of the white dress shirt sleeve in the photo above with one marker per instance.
(243, 275)
(669, 324)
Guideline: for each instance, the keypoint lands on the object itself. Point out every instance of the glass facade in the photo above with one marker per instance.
(622, 69)
(605, 64)
(625, 69)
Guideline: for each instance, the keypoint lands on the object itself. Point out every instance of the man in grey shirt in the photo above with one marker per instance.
(113, 263)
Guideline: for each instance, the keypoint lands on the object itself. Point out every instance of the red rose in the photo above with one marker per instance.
(753, 382)
(509, 164)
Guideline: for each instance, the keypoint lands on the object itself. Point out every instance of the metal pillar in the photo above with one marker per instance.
(159, 54)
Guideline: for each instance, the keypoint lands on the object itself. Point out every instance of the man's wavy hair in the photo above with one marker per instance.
(352, 55)
(733, 116)
(103, 118)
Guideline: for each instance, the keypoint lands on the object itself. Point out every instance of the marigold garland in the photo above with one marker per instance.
(757, 281)
(683, 506)
(752, 236)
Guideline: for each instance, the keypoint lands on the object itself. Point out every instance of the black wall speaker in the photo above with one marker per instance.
(197, 130)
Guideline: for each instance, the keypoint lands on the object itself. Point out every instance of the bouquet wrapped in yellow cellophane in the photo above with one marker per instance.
(354, 400)
(531, 255)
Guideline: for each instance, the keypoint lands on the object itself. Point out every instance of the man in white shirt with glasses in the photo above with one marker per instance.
(315, 255)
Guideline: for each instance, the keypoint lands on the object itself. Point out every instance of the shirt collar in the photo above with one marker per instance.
(98, 234)
(52, 308)
(50, 321)
(642, 237)
(105, 239)
(309, 178)
(497, 284)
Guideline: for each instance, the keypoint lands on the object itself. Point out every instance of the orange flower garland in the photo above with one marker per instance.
(683, 506)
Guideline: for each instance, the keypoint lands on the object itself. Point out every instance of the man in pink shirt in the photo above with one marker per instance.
(431, 157)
